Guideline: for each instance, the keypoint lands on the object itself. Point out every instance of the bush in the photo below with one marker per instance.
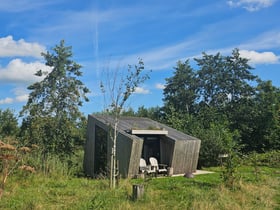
(215, 141)
(270, 159)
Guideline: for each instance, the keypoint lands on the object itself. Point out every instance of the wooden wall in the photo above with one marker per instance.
(185, 156)
(128, 154)
(136, 151)
(128, 150)
(89, 148)
(166, 150)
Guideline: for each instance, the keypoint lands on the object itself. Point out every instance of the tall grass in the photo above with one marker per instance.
(61, 188)
(54, 165)
(202, 192)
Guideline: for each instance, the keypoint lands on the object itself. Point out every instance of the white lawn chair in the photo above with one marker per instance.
(144, 168)
(160, 168)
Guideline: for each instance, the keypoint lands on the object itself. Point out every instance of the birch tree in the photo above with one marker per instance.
(117, 87)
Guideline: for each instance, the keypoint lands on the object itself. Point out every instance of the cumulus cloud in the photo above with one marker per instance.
(18, 71)
(20, 94)
(251, 5)
(259, 57)
(9, 47)
(160, 86)
(22, 98)
(6, 101)
(140, 90)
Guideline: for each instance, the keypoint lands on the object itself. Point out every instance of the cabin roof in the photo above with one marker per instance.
(141, 124)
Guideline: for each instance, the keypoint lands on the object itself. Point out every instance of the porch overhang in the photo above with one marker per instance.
(149, 132)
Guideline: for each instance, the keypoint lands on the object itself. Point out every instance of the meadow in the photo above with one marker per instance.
(57, 190)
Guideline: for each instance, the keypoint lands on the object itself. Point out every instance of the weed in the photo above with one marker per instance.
(12, 158)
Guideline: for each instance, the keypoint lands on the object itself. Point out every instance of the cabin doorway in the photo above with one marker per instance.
(151, 147)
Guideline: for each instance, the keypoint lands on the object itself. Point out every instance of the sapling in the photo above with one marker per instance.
(230, 165)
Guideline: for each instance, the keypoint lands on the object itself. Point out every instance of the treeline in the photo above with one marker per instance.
(219, 101)
(223, 103)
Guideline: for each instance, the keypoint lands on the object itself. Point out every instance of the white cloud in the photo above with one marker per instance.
(19, 72)
(24, 5)
(162, 57)
(20, 94)
(10, 47)
(259, 57)
(140, 90)
(160, 86)
(167, 56)
(251, 5)
(22, 98)
(6, 100)
(267, 40)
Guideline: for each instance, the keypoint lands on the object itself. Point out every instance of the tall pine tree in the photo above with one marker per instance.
(51, 115)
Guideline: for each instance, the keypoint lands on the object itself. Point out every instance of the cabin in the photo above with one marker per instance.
(137, 138)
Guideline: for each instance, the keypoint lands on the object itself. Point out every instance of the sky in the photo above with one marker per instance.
(114, 33)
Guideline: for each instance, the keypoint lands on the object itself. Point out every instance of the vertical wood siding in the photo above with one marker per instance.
(136, 151)
(124, 148)
(166, 150)
(89, 148)
(185, 156)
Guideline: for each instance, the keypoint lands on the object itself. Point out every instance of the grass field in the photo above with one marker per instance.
(36, 191)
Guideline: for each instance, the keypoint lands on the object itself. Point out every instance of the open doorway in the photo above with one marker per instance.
(151, 147)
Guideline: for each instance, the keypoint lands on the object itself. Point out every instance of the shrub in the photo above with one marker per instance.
(214, 142)
(271, 158)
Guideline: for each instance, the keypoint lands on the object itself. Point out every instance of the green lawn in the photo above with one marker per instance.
(201, 192)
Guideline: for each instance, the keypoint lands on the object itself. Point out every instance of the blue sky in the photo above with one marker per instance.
(112, 34)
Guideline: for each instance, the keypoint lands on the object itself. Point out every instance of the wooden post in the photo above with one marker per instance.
(138, 191)
(170, 171)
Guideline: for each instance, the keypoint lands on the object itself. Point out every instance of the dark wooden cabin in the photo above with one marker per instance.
(137, 138)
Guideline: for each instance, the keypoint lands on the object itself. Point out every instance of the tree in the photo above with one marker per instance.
(211, 79)
(8, 123)
(222, 93)
(239, 77)
(180, 90)
(154, 113)
(52, 111)
(118, 88)
(268, 121)
(258, 119)
(227, 93)
(128, 112)
(210, 98)
(224, 79)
